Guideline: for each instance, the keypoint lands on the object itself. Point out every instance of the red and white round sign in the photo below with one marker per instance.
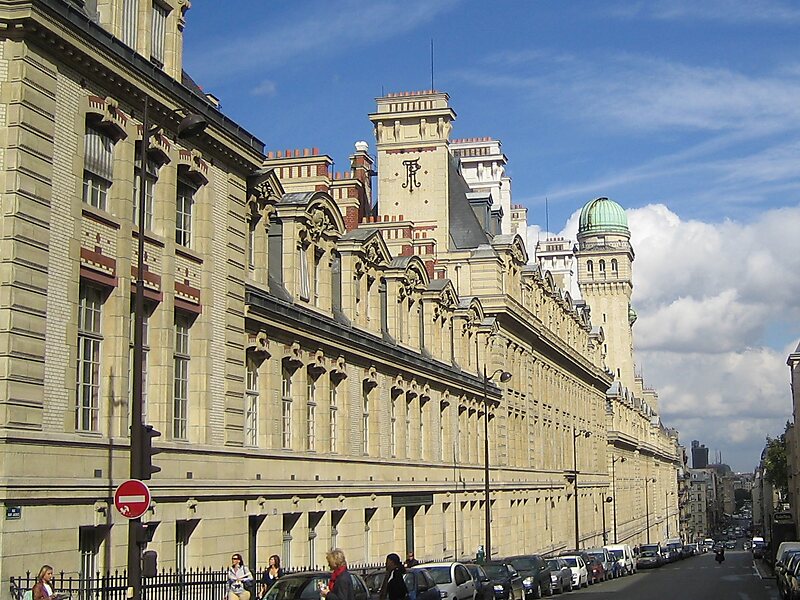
(132, 499)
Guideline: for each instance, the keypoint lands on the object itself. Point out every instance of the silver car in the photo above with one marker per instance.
(560, 575)
(453, 580)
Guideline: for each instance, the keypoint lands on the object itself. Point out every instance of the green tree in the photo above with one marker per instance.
(775, 465)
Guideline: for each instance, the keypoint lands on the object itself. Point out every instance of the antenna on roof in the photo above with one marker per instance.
(432, 86)
(547, 217)
(383, 93)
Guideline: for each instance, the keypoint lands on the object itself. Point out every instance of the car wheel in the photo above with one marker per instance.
(550, 589)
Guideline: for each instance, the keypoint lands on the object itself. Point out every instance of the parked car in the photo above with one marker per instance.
(786, 576)
(692, 549)
(304, 585)
(597, 573)
(609, 564)
(675, 549)
(624, 556)
(453, 580)
(560, 575)
(580, 575)
(785, 551)
(649, 559)
(535, 573)
(791, 577)
(506, 581)
(483, 585)
(419, 583)
(758, 549)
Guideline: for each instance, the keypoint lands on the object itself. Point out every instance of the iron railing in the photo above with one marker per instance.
(189, 584)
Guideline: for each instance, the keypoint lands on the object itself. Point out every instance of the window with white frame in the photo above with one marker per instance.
(333, 409)
(311, 414)
(145, 352)
(181, 359)
(251, 396)
(98, 167)
(318, 256)
(159, 34)
(409, 403)
(302, 259)
(252, 229)
(184, 209)
(365, 418)
(149, 184)
(393, 427)
(422, 433)
(286, 408)
(90, 313)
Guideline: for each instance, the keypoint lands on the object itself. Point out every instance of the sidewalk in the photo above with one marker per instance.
(763, 569)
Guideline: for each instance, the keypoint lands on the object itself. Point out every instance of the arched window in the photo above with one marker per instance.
(602, 267)
(614, 266)
(590, 268)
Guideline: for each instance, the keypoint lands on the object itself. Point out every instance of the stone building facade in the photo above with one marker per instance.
(320, 369)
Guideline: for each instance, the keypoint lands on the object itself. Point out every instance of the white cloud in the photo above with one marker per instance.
(730, 11)
(710, 297)
(333, 29)
(265, 88)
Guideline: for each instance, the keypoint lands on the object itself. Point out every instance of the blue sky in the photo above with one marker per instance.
(685, 112)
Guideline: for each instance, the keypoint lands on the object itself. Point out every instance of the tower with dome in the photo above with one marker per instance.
(605, 278)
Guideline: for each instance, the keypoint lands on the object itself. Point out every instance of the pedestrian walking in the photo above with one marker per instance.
(410, 560)
(239, 579)
(43, 588)
(394, 587)
(340, 586)
(720, 558)
(271, 575)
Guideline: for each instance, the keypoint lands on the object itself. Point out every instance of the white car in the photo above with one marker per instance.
(580, 573)
(453, 580)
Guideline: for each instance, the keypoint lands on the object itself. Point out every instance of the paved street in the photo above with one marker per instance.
(696, 578)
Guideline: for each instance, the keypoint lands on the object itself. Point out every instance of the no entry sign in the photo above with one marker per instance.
(132, 499)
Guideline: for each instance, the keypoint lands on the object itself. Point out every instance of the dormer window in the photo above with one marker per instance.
(159, 34)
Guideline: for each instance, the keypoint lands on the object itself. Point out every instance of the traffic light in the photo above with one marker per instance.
(149, 563)
(147, 466)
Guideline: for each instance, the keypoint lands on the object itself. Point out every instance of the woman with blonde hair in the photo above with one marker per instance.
(43, 588)
(340, 586)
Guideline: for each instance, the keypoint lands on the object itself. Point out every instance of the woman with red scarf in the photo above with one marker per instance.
(340, 586)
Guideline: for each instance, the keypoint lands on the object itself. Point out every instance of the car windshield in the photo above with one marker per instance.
(440, 574)
(289, 588)
(523, 564)
(554, 564)
(647, 553)
(571, 561)
(617, 554)
(495, 571)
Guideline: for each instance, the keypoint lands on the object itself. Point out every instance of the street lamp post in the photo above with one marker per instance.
(666, 509)
(614, 461)
(575, 435)
(189, 126)
(647, 506)
(504, 376)
(603, 507)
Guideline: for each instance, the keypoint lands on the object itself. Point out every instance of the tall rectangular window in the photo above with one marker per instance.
(159, 34)
(180, 403)
(98, 167)
(184, 207)
(317, 276)
(149, 184)
(251, 404)
(333, 413)
(365, 419)
(311, 415)
(130, 17)
(393, 427)
(286, 408)
(252, 229)
(302, 259)
(90, 305)
(336, 283)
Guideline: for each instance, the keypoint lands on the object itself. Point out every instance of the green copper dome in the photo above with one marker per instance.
(602, 215)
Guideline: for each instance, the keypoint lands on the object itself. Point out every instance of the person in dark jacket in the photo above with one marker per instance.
(394, 587)
(340, 586)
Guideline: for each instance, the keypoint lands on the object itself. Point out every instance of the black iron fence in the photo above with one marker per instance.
(189, 584)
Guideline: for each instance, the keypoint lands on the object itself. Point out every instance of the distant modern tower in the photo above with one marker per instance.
(699, 455)
(605, 278)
